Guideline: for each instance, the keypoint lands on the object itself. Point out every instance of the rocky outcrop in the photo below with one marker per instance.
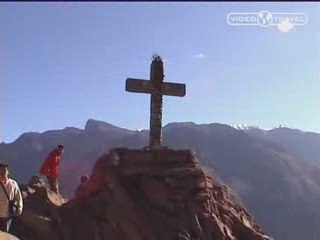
(40, 205)
(142, 195)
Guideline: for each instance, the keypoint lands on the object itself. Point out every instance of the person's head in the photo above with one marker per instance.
(36, 181)
(60, 148)
(4, 171)
(84, 178)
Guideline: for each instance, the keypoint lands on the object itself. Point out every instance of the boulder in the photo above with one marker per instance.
(37, 219)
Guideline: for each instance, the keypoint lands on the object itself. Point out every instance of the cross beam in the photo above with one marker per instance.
(157, 88)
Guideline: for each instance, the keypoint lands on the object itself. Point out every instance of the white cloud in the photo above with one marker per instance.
(199, 55)
(285, 25)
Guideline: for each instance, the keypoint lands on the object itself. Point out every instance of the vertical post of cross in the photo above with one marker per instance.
(156, 76)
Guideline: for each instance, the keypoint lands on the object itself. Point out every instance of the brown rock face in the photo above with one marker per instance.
(158, 194)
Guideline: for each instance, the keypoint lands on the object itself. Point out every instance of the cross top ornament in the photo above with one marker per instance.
(156, 57)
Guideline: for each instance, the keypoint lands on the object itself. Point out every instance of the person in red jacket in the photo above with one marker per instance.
(50, 168)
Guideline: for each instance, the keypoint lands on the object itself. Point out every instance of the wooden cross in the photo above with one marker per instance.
(157, 88)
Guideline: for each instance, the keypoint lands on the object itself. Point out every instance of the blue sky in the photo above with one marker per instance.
(63, 63)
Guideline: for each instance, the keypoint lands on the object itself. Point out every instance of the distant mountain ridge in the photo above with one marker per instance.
(271, 171)
(303, 145)
(92, 125)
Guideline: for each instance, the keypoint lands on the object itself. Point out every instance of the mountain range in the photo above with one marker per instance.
(275, 173)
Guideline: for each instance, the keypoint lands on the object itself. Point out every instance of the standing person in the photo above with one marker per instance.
(9, 194)
(81, 192)
(50, 168)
